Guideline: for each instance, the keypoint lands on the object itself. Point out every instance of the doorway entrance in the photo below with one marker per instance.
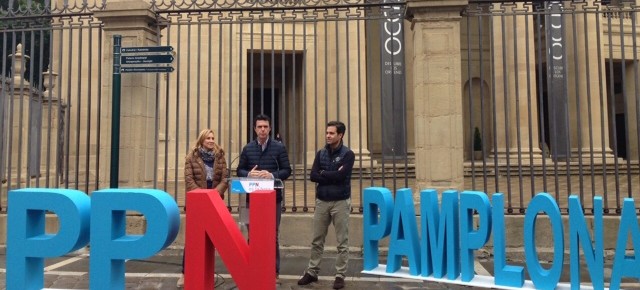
(275, 88)
(263, 101)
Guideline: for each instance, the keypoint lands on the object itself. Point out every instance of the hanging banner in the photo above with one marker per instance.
(557, 82)
(393, 82)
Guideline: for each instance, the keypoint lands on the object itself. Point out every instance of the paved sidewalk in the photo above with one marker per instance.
(163, 270)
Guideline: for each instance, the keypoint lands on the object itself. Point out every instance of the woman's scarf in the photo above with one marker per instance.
(206, 155)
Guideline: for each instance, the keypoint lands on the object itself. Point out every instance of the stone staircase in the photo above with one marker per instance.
(378, 171)
(550, 168)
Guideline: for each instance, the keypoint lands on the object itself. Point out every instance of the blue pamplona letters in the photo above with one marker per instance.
(446, 239)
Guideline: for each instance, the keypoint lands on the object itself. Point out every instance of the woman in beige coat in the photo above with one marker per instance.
(205, 167)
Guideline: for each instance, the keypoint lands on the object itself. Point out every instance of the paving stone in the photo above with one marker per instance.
(163, 270)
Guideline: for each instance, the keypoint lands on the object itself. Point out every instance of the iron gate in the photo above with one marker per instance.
(304, 63)
(551, 100)
(549, 87)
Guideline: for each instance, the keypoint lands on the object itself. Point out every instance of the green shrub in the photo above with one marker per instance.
(477, 140)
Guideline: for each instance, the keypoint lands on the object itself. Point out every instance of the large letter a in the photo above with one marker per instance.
(209, 223)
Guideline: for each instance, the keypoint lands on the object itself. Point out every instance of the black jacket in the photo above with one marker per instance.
(331, 171)
(274, 159)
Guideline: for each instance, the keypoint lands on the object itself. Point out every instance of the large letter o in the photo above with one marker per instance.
(543, 278)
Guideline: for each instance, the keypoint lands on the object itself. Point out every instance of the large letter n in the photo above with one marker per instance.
(209, 223)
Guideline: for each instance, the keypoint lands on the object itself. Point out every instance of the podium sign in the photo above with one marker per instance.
(247, 185)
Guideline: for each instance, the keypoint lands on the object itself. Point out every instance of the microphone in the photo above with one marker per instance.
(234, 160)
(228, 178)
(243, 203)
(280, 185)
(277, 167)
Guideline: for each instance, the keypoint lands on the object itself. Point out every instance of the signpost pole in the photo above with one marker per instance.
(115, 113)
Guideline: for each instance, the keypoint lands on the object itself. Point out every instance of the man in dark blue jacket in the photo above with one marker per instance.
(331, 171)
(266, 158)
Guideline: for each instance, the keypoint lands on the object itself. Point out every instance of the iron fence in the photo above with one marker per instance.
(549, 87)
(302, 63)
(552, 100)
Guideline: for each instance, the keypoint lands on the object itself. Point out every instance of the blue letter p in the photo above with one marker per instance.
(27, 242)
(111, 245)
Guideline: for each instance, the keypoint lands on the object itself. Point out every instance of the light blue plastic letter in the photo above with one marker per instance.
(404, 234)
(429, 203)
(471, 239)
(623, 265)
(542, 278)
(28, 243)
(377, 211)
(440, 230)
(580, 235)
(505, 275)
(111, 245)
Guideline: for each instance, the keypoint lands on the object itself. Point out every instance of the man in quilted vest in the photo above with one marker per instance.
(331, 171)
(266, 158)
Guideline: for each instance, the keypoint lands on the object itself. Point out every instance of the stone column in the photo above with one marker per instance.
(347, 94)
(4, 117)
(632, 107)
(515, 85)
(51, 126)
(437, 92)
(137, 25)
(357, 134)
(585, 85)
(19, 98)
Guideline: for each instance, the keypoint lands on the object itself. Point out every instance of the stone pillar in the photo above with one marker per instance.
(19, 93)
(515, 85)
(137, 24)
(4, 117)
(347, 94)
(356, 136)
(52, 111)
(437, 92)
(632, 108)
(585, 85)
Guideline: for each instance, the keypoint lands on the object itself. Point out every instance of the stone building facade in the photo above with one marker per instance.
(465, 66)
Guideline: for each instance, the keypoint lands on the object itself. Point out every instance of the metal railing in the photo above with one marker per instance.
(302, 63)
(563, 126)
(553, 92)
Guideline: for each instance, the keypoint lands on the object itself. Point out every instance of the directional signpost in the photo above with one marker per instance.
(143, 59)
(141, 49)
(146, 59)
(146, 69)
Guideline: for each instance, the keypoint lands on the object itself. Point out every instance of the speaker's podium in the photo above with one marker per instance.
(247, 185)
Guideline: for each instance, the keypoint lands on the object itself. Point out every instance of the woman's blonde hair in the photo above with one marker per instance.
(203, 135)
